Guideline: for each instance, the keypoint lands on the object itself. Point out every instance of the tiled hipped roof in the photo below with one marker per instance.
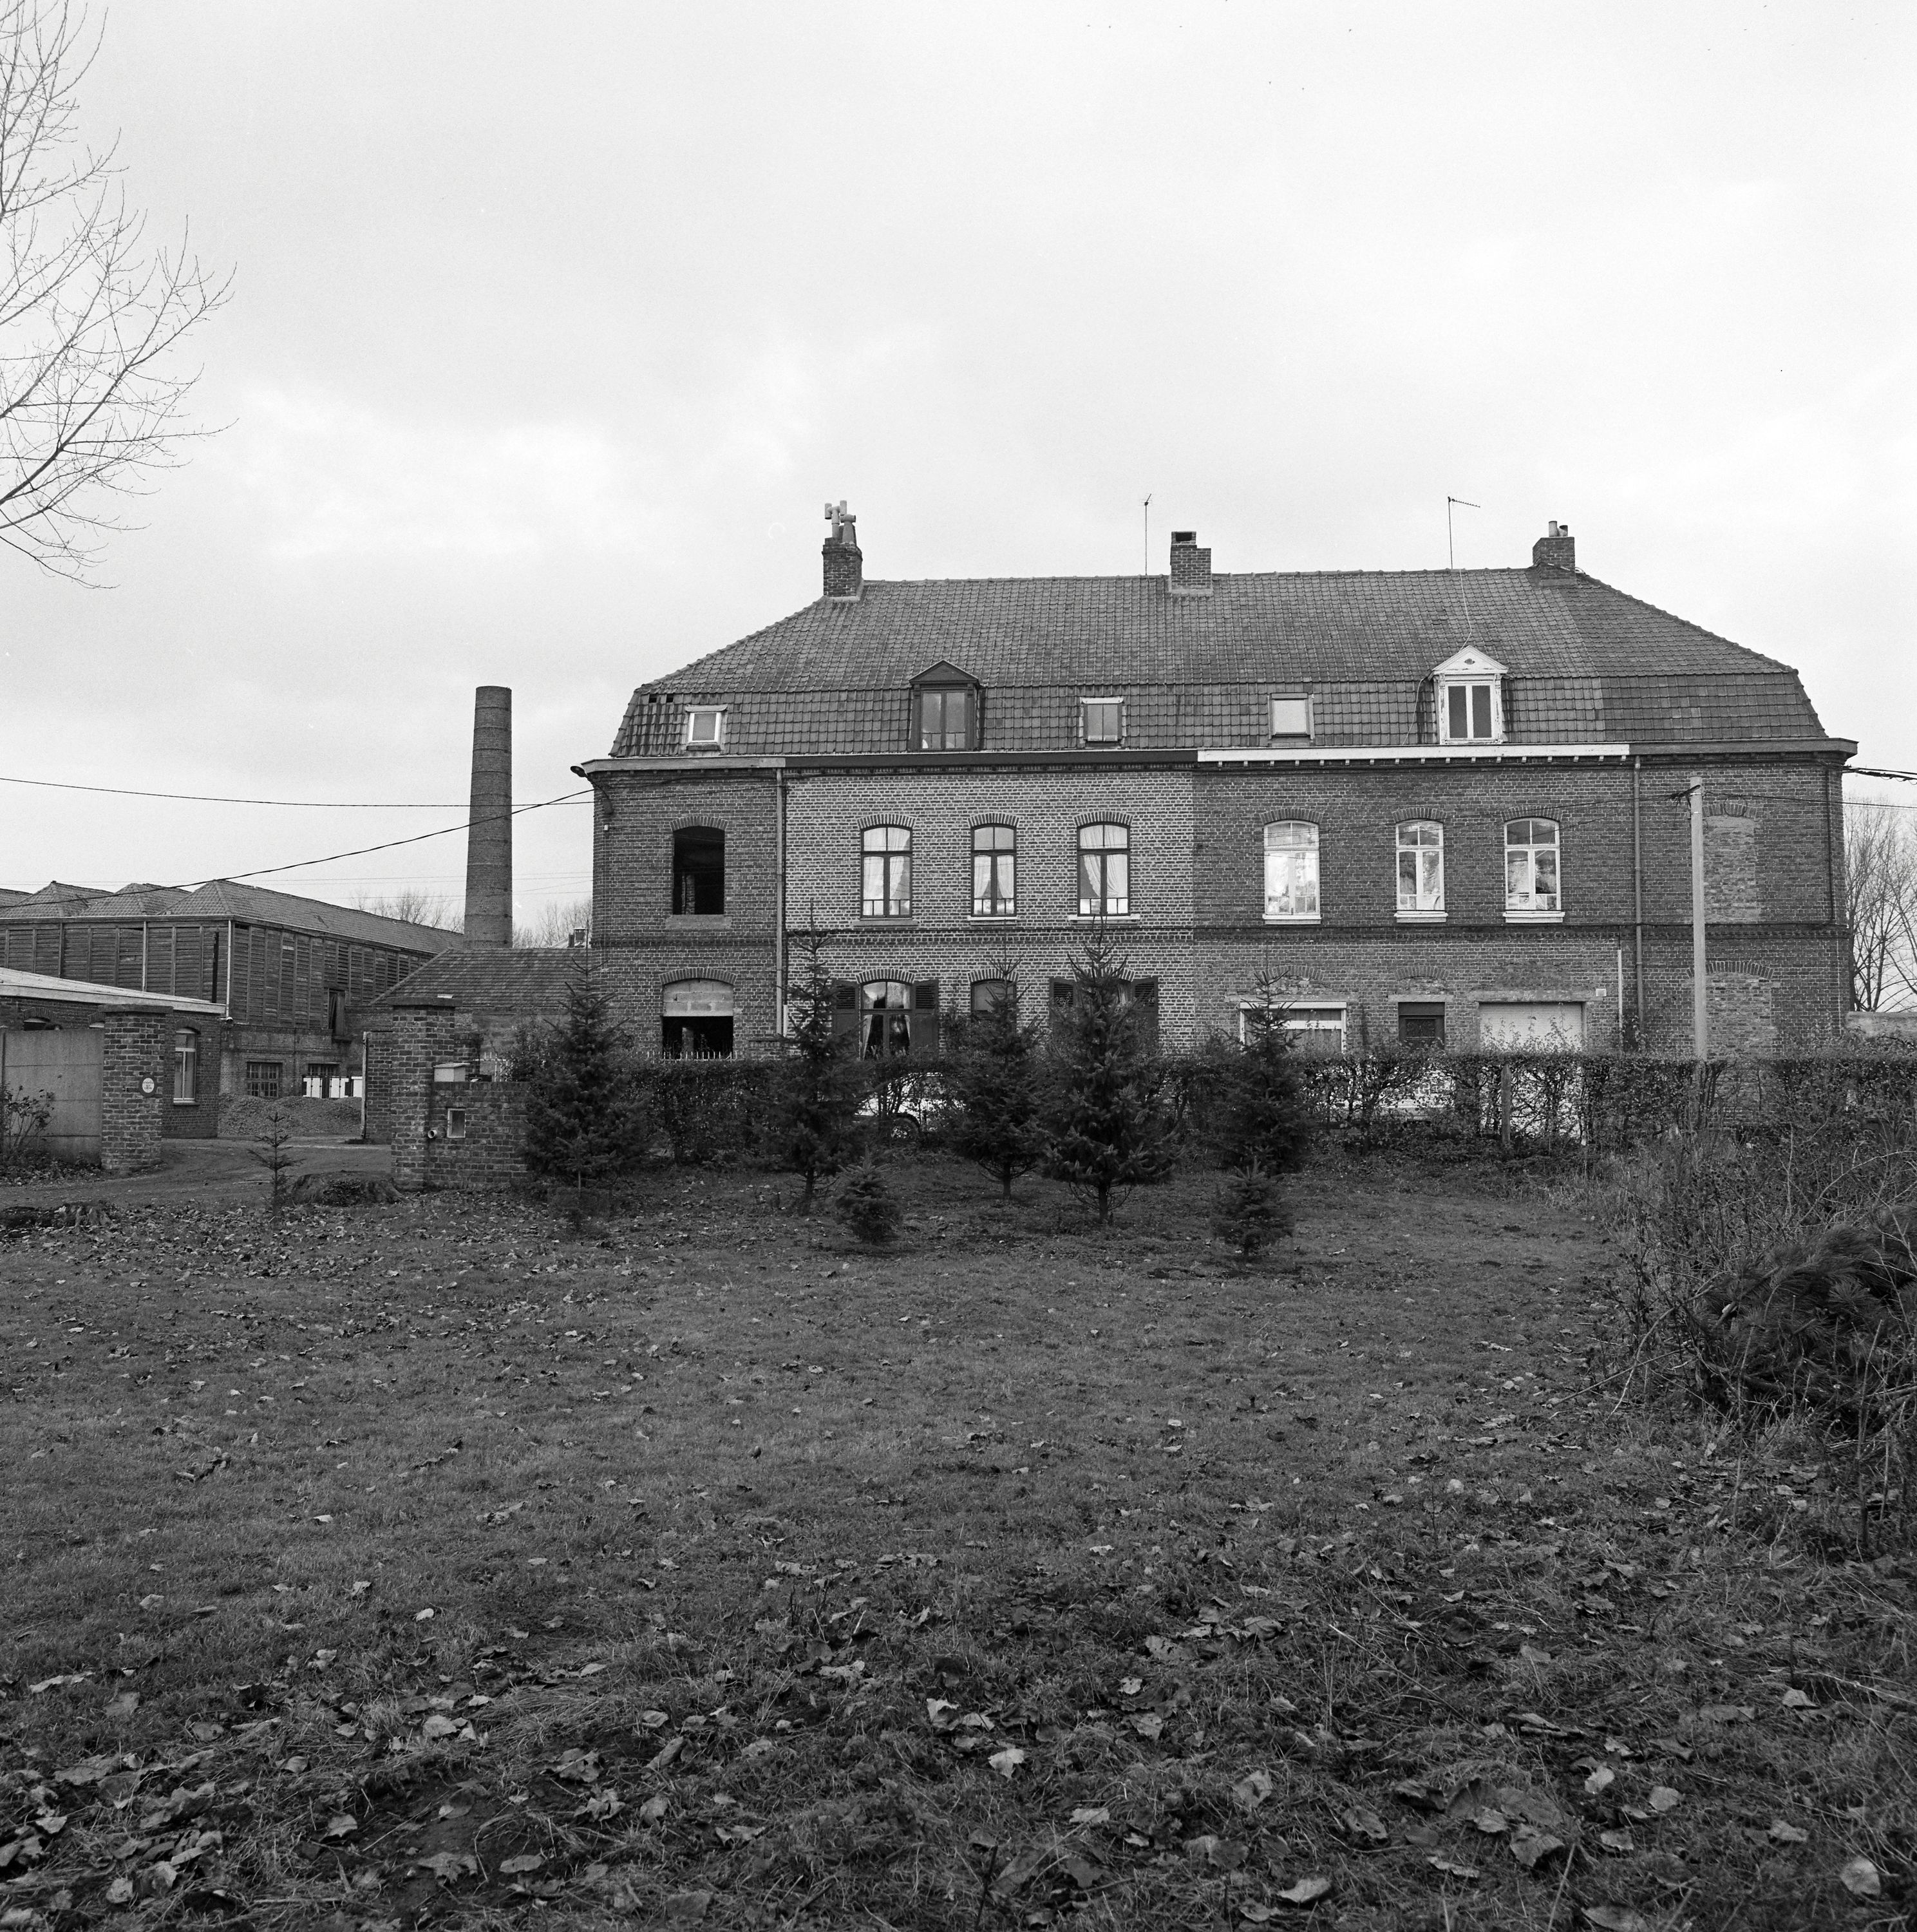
(1586, 663)
(221, 899)
(528, 981)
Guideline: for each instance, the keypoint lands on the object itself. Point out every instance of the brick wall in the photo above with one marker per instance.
(137, 1067)
(490, 1152)
(422, 1036)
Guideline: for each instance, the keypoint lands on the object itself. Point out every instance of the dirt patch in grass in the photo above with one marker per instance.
(417, 1559)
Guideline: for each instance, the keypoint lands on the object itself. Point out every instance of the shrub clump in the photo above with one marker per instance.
(866, 1204)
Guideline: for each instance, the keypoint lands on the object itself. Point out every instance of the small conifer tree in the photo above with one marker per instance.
(1106, 1128)
(1255, 1111)
(818, 1102)
(865, 1205)
(1250, 1212)
(994, 1082)
(584, 1118)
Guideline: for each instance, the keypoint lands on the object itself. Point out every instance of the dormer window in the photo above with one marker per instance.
(1104, 720)
(945, 710)
(1470, 692)
(705, 728)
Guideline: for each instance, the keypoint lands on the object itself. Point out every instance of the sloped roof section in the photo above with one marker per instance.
(221, 899)
(525, 982)
(827, 677)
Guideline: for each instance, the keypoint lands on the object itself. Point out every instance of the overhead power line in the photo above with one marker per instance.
(210, 798)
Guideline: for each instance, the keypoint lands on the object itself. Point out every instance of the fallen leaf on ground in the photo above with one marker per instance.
(1616, 1918)
(1007, 1761)
(526, 1861)
(1796, 1700)
(652, 1810)
(1252, 1790)
(1148, 1723)
(1783, 1833)
(683, 1907)
(1528, 1845)
(448, 1867)
(1860, 1878)
(1360, 1823)
(1439, 1861)
(1307, 1890)
(1663, 1798)
(1092, 1814)
(341, 1826)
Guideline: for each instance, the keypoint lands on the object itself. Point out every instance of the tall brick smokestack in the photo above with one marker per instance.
(489, 836)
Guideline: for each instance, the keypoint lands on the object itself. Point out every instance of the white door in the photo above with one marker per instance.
(1538, 1026)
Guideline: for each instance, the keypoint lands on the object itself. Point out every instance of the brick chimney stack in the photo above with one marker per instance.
(1554, 550)
(1191, 567)
(489, 833)
(844, 567)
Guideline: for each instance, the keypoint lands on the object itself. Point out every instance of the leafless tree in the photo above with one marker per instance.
(92, 401)
(1880, 894)
(414, 903)
(555, 923)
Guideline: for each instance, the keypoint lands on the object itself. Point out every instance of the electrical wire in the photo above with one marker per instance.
(209, 798)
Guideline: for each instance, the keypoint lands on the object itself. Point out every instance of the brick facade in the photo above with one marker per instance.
(467, 1134)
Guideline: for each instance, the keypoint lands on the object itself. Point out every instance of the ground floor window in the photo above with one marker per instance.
(1310, 1029)
(1421, 1023)
(263, 1077)
(1532, 1026)
(989, 996)
(1141, 994)
(696, 1019)
(321, 1080)
(186, 1066)
(896, 1016)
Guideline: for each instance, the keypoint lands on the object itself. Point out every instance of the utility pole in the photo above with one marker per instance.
(1700, 991)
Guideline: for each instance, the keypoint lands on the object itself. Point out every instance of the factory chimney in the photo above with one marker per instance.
(489, 835)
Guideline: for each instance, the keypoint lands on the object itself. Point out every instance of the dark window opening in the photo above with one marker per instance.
(262, 1079)
(992, 996)
(946, 718)
(882, 1019)
(1421, 1023)
(698, 869)
(1140, 995)
(708, 1037)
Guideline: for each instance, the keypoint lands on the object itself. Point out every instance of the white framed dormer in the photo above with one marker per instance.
(1468, 693)
(705, 728)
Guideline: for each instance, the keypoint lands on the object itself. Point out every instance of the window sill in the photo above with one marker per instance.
(1107, 919)
(1534, 918)
(1292, 919)
(178, 1102)
(1404, 918)
(888, 919)
(991, 919)
(698, 921)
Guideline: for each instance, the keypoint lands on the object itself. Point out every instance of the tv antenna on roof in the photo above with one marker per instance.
(1450, 548)
(1147, 535)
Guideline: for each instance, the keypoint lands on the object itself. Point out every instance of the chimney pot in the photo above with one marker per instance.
(1554, 551)
(845, 565)
(1191, 567)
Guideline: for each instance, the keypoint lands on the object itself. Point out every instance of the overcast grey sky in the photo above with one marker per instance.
(554, 327)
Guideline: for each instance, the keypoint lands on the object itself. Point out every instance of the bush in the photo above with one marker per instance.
(993, 1085)
(1250, 1213)
(866, 1204)
(585, 1119)
(1106, 1127)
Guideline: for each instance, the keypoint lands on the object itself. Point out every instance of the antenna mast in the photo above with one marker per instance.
(1147, 535)
(1450, 548)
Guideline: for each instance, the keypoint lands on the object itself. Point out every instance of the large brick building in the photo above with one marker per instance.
(1429, 805)
(289, 974)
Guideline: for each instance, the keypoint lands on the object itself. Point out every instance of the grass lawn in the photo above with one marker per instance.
(426, 1561)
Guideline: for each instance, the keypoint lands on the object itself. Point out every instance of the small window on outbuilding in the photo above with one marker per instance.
(698, 869)
(1421, 1023)
(262, 1079)
(186, 1066)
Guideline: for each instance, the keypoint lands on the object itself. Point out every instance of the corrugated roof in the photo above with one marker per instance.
(835, 675)
(15, 985)
(221, 899)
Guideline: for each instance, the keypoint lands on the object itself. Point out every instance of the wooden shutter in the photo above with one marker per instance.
(925, 1017)
(1144, 998)
(845, 1010)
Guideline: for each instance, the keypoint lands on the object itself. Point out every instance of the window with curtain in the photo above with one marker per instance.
(1104, 871)
(946, 713)
(886, 884)
(1291, 870)
(1421, 867)
(995, 872)
(1530, 866)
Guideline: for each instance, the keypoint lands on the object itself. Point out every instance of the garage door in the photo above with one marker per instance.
(64, 1063)
(1536, 1026)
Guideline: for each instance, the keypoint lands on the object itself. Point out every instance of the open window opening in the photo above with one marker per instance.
(696, 1019)
(881, 1019)
(698, 869)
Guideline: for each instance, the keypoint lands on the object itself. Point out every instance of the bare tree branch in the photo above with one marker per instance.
(555, 923)
(91, 404)
(1880, 896)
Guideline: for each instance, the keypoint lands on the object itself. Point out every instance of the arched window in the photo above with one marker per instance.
(886, 884)
(698, 869)
(1104, 871)
(995, 872)
(1420, 867)
(992, 996)
(186, 1066)
(1291, 870)
(895, 1017)
(1531, 881)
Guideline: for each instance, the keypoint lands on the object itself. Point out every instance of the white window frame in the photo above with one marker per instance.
(993, 856)
(1521, 906)
(1306, 1017)
(1084, 720)
(1425, 899)
(693, 712)
(1306, 850)
(893, 899)
(1110, 904)
(1493, 685)
(186, 1066)
(1302, 697)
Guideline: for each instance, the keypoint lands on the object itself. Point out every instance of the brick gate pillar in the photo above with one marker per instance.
(423, 1034)
(135, 1057)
